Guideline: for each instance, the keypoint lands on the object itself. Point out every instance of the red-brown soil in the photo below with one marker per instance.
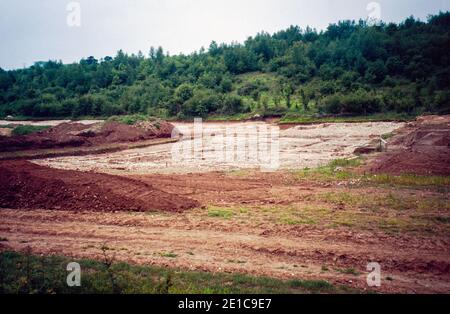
(270, 224)
(421, 147)
(26, 185)
(78, 134)
(256, 240)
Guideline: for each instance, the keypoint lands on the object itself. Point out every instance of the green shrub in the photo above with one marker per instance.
(356, 103)
(131, 119)
(28, 129)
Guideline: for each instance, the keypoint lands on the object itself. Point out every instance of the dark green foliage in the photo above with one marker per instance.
(351, 69)
(131, 119)
(358, 103)
(28, 129)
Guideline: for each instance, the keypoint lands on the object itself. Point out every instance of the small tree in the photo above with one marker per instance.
(305, 100)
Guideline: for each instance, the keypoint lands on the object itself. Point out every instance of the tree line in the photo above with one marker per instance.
(351, 68)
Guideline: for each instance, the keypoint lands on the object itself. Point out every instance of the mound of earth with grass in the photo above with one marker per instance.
(25, 185)
(74, 134)
(422, 147)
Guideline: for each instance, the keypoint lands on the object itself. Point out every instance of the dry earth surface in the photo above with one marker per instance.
(278, 224)
(299, 147)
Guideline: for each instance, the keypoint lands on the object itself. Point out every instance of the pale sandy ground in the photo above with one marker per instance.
(234, 146)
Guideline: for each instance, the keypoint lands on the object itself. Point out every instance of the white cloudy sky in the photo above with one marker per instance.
(34, 30)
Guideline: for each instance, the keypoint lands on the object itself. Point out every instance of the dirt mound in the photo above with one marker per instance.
(77, 134)
(26, 185)
(421, 147)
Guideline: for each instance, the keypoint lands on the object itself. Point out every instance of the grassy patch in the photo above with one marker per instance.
(28, 129)
(373, 209)
(335, 170)
(408, 180)
(236, 261)
(376, 201)
(297, 221)
(349, 271)
(218, 212)
(131, 119)
(399, 212)
(342, 169)
(168, 254)
(27, 273)
(315, 285)
(284, 215)
(234, 117)
(387, 136)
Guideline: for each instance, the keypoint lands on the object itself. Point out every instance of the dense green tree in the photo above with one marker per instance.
(350, 68)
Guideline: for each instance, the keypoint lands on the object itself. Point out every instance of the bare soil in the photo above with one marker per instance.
(26, 185)
(273, 224)
(251, 240)
(79, 134)
(421, 147)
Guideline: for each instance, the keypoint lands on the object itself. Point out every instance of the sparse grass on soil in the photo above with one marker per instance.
(408, 180)
(168, 254)
(361, 208)
(27, 273)
(344, 169)
(220, 212)
(348, 271)
(338, 169)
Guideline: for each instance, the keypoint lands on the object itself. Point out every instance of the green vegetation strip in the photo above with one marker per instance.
(132, 119)
(350, 69)
(27, 273)
(305, 119)
(25, 129)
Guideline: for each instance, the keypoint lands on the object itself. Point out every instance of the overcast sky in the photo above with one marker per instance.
(37, 30)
